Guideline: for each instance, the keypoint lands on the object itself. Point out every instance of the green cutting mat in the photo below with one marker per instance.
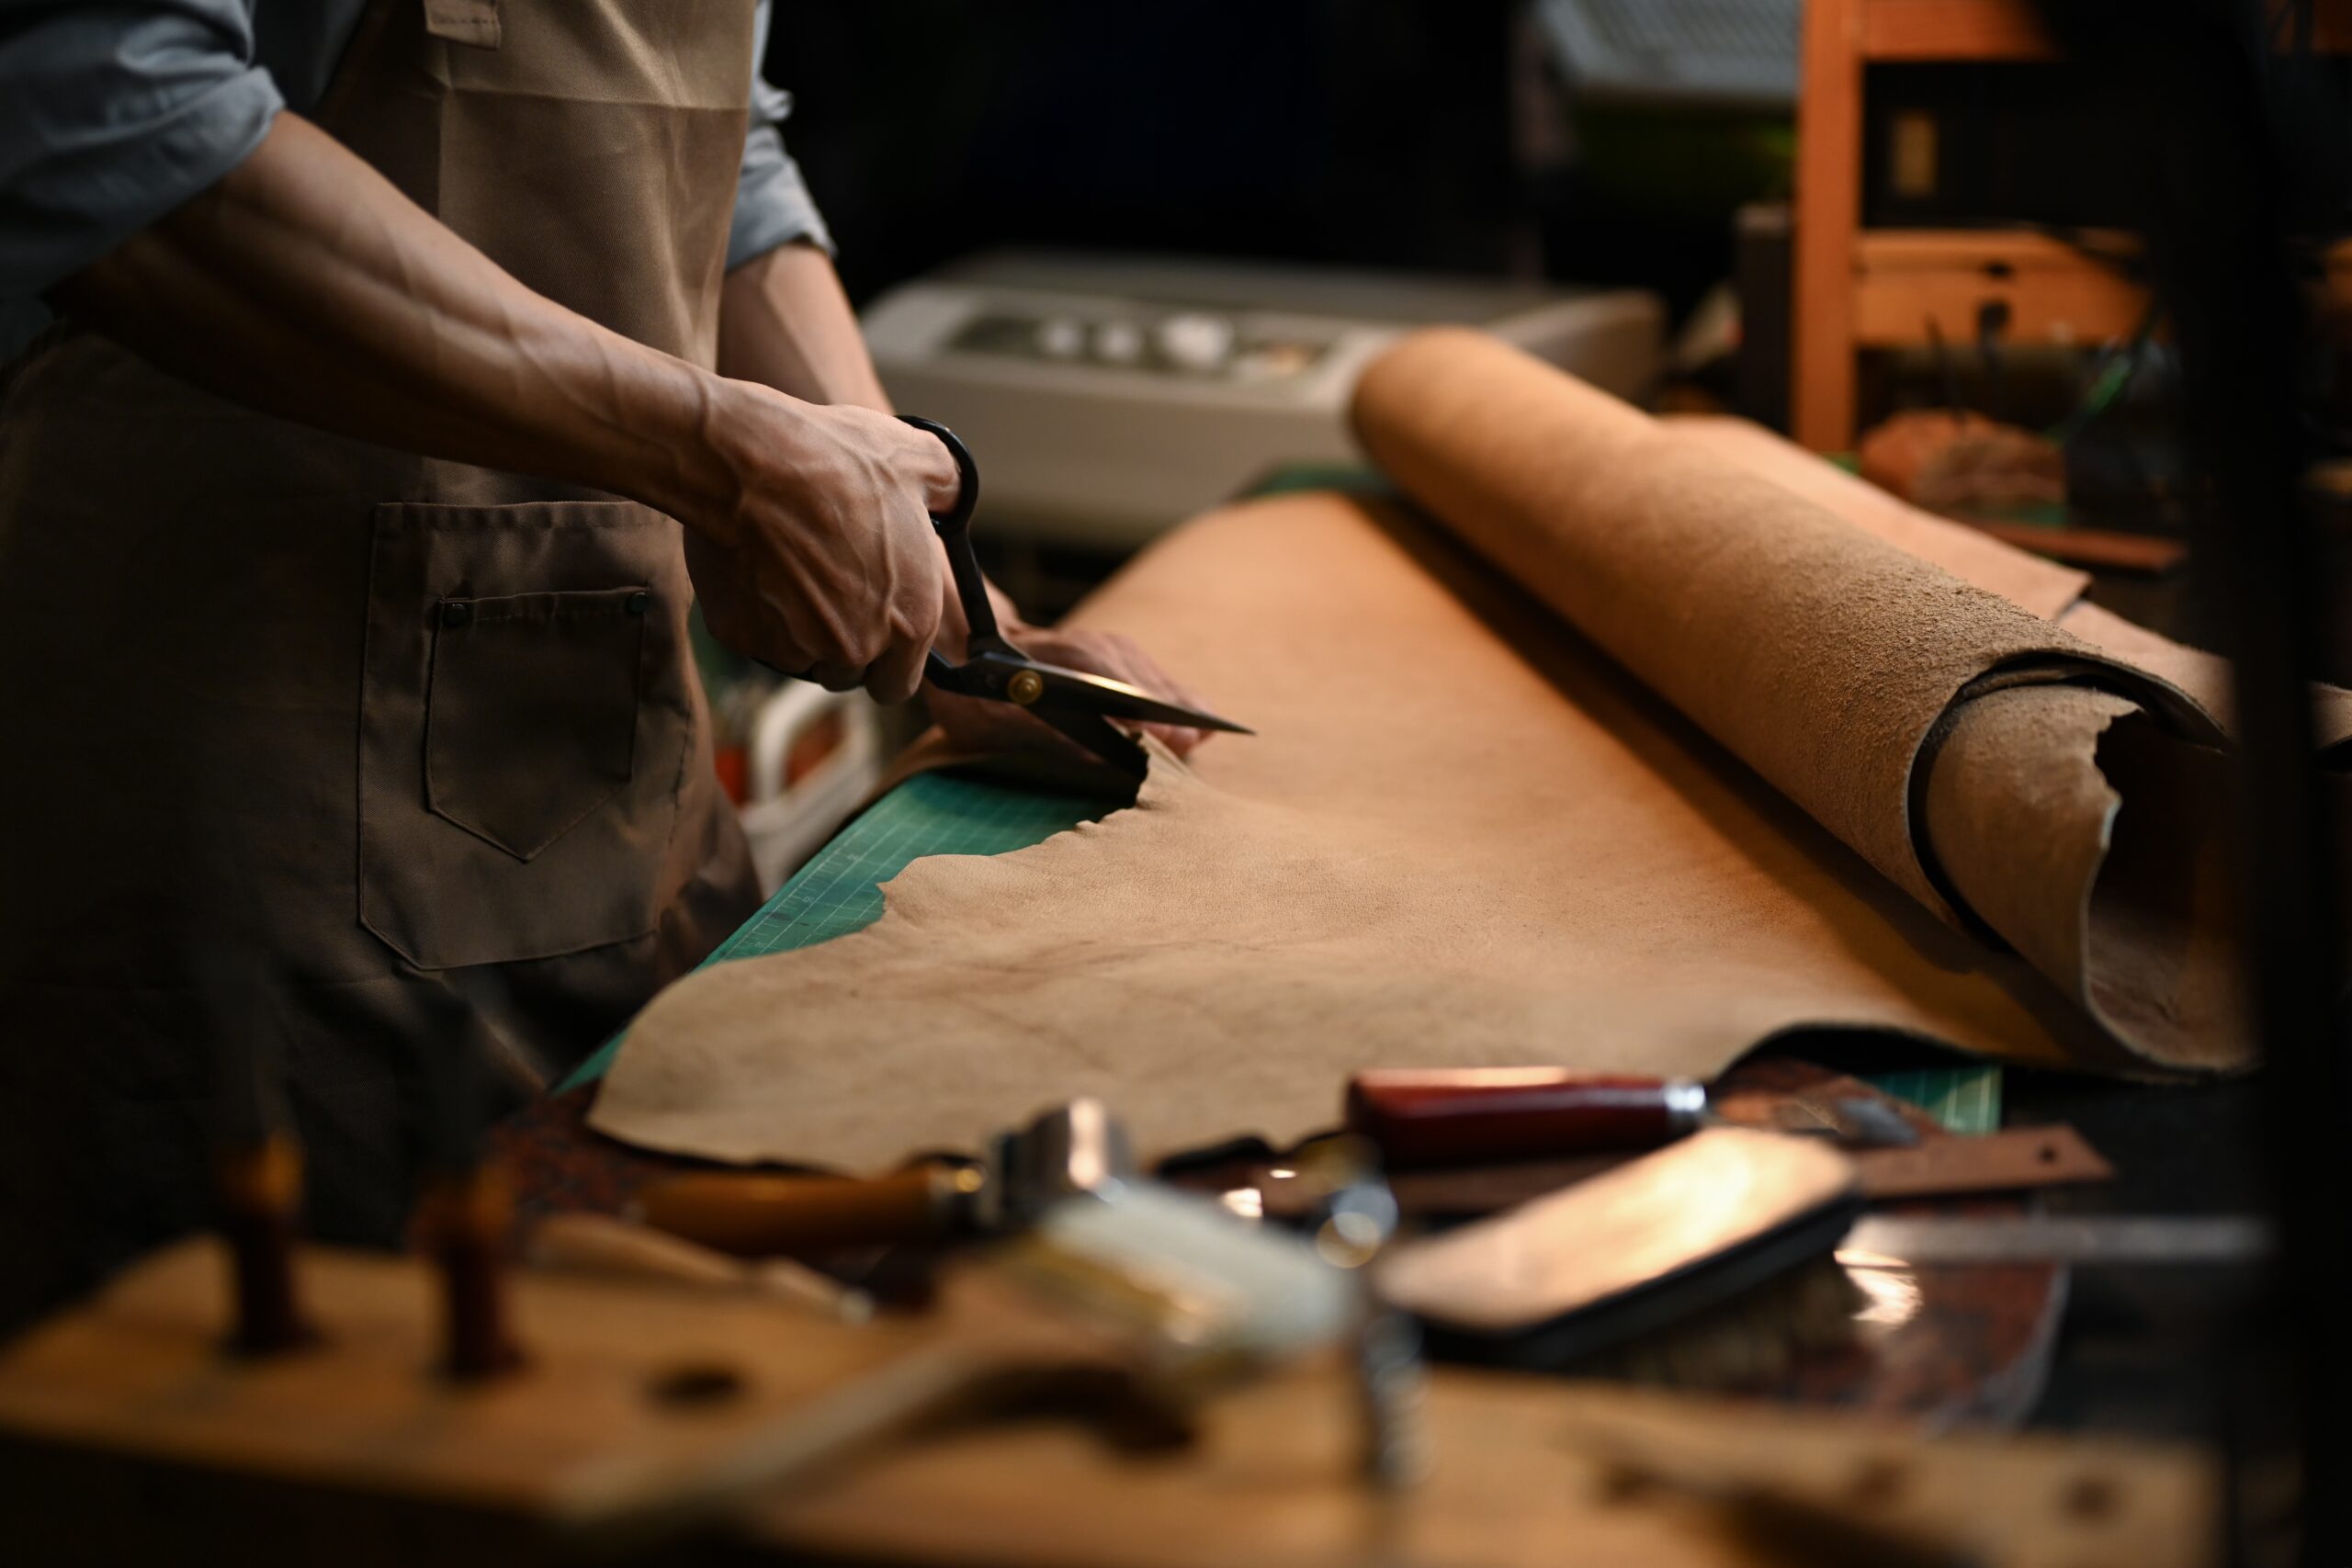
(839, 891)
(1965, 1100)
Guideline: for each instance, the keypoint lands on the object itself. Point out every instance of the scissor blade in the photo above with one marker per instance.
(1104, 739)
(1116, 699)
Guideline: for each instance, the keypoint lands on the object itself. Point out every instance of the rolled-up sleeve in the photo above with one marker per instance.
(773, 205)
(111, 115)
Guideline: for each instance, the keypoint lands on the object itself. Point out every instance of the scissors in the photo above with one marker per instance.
(1078, 704)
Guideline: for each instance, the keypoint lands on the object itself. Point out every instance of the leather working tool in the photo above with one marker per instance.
(1351, 1217)
(1073, 1150)
(2017, 1159)
(1463, 1115)
(1078, 704)
(256, 1169)
(1650, 1244)
(2080, 1240)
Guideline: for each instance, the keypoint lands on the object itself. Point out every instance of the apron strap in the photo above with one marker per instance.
(473, 22)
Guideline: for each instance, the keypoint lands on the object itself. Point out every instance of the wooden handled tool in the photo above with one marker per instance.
(756, 1215)
(256, 1159)
(260, 1191)
(1075, 1148)
(1452, 1116)
(461, 1221)
(464, 1217)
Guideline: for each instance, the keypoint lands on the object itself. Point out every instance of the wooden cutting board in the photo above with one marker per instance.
(1529, 1472)
(123, 1426)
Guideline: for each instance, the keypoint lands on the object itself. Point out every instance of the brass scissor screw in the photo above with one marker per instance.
(1025, 687)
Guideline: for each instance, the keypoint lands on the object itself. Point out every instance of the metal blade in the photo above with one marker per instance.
(1116, 699)
(1100, 737)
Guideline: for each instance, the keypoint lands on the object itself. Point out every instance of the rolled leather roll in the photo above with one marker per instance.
(1973, 752)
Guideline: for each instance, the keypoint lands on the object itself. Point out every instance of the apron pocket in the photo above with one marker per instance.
(530, 711)
(527, 721)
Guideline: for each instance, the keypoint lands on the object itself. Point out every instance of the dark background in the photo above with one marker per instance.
(1415, 134)
(1369, 131)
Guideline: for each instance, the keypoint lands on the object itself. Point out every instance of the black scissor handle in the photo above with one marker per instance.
(954, 526)
(959, 518)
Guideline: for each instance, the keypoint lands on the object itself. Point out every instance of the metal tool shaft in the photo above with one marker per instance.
(2098, 1239)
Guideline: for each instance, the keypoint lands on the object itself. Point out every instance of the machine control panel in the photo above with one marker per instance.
(1195, 344)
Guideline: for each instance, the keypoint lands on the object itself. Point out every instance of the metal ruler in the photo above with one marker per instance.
(2113, 1240)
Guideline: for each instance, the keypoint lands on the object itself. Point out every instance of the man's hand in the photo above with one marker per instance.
(814, 552)
(978, 725)
(785, 321)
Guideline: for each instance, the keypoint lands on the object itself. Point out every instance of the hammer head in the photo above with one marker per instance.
(1070, 1151)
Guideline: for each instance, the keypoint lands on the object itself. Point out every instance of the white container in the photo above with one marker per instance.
(788, 824)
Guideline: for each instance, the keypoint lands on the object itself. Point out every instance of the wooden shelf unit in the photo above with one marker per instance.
(1949, 30)
(1857, 288)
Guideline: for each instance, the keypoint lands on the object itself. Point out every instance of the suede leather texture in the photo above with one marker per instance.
(1616, 754)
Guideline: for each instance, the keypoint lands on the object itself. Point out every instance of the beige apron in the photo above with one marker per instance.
(297, 727)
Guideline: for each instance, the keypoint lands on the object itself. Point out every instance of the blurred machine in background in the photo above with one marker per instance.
(1113, 396)
(1698, 53)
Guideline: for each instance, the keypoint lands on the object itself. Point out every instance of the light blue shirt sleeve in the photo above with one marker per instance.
(111, 116)
(773, 205)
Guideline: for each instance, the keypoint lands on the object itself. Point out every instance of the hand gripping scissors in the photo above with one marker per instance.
(1078, 704)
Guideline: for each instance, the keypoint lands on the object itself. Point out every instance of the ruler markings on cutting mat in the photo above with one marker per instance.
(839, 891)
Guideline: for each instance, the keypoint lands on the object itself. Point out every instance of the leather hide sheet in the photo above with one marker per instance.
(1631, 745)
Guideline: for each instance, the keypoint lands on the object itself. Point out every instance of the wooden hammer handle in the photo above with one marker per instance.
(753, 1215)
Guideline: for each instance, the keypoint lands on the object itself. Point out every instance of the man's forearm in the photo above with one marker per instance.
(784, 321)
(307, 285)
